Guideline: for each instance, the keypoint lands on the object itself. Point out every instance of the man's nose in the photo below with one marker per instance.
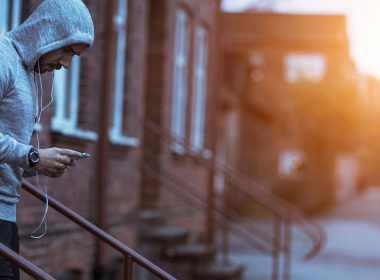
(66, 62)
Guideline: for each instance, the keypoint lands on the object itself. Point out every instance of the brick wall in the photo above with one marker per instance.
(71, 246)
(148, 76)
(159, 87)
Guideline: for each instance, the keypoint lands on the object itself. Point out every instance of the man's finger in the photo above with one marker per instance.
(68, 152)
(52, 170)
(72, 162)
(64, 159)
(59, 166)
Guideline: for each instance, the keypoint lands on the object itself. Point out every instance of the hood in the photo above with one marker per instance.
(53, 25)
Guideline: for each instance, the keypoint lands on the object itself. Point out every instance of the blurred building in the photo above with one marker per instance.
(369, 90)
(270, 60)
(164, 75)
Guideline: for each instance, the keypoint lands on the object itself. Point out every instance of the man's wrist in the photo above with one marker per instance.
(33, 157)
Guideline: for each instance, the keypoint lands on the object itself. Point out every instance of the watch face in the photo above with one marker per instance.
(34, 156)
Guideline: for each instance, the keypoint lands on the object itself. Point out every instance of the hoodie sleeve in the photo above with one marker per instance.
(5, 78)
(11, 151)
(30, 172)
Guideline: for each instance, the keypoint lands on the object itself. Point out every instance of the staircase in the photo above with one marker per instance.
(206, 259)
(172, 249)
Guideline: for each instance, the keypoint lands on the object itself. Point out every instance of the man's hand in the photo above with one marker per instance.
(53, 161)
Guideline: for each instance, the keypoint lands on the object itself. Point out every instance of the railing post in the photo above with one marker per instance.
(276, 247)
(210, 229)
(226, 223)
(128, 267)
(287, 250)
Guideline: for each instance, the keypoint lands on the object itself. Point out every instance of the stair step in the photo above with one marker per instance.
(164, 235)
(151, 217)
(219, 272)
(192, 252)
(71, 274)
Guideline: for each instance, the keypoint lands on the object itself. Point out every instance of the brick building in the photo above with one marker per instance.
(164, 70)
(267, 58)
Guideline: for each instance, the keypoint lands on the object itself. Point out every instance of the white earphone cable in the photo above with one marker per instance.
(39, 101)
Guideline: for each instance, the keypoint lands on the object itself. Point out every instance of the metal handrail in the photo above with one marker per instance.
(292, 214)
(280, 241)
(23, 263)
(130, 256)
(266, 243)
(278, 206)
(194, 199)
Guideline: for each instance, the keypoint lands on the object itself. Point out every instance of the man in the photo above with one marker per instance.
(47, 40)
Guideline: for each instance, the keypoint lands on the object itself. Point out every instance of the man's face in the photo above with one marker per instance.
(56, 59)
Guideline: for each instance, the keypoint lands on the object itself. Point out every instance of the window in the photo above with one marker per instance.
(9, 14)
(304, 67)
(180, 72)
(116, 134)
(199, 92)
(66, 92)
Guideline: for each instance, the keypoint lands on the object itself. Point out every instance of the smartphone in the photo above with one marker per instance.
(82, 155)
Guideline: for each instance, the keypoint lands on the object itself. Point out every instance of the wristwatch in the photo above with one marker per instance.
(33, 157)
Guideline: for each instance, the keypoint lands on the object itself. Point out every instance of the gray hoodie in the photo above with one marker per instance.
(53, 25)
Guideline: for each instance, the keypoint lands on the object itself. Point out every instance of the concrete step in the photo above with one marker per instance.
(156, 241)
(164, 235)
(151, 217)
(71, 274)
(219, 272)
(190, 252)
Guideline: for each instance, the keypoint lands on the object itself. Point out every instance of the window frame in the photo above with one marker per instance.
(199, 94)
(180, 89)
(5, 6)
(115, 132)
(67, 125)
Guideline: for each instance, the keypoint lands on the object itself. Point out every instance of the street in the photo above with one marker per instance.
(352, 250)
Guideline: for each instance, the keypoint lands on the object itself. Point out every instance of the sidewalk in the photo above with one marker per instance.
(352, 251)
